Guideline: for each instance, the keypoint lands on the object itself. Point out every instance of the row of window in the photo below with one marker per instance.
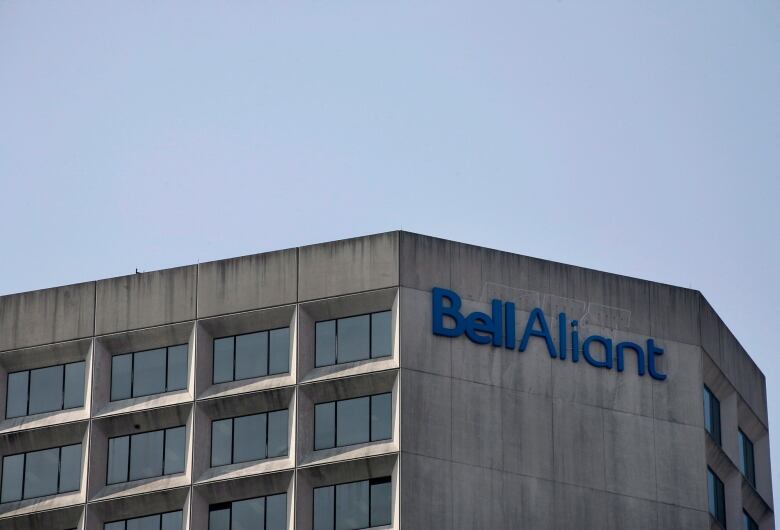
(146, 455)
(41, 473)
(716, 503)
(747, 464)
(248, 438)
(353, 421)
(236, 357)
(351, 506)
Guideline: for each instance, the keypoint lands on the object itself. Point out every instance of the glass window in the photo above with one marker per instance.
(746, 459)
(278, 423)
(146, 455)
(279, 346)
(149, 372)
(353, 506)
(325, 425)
(353, 338)
(249, 433)
(715, 498)
(325, 343)
(165, 521)
(45, 389)
(177, 371)
(712, 415)
(74, 385)
(259, 513)
(41, 473)
(70, 468)
(748, 523)
(352, 421)
(248, 438)
(13, 473)
(118, 456)
(251, 355)
(16, 404)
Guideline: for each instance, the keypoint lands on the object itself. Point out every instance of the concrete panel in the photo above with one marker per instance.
(424, 261)
(426, 414)
(628, 512)
(476, 498)
(476, 424)
(527, 428)
(528, 371)
(674, 313)
(48, 315)
(421, 349)
(680, 464)
(527, 502)
(672, 517)
(709, 329)
(348, 266)
(578, 442)
(630, 460)
(679, 397)
(246, 283)
(577, 507)
(148, 299)
(426, 493)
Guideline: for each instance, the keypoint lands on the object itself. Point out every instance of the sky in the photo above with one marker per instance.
(641, 138)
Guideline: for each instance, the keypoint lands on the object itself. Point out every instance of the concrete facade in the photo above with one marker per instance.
(483, 436)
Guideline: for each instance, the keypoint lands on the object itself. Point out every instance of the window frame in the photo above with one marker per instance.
(750, 470)
(751, 523)
(267, 361)
(370, 337)
(371, 482)
(27, 402)
(130, 454)
(716, 437)
(59, 470)
(336, 421)
(720, 498)
(160, 515)
(229, 506)
(132, 372)
(232, 439)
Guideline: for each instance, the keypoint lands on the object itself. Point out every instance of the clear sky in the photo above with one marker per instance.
(641, 138)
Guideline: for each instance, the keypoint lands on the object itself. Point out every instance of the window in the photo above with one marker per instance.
(260, 513)
(715, 498)
(160, 521)
(149, 372)
(41, 473)
(353, 421)
(252, 355)
(355, 338)
(747, 522)
(746, 460)
(712, 415)
(247, 438)
(353, 506)
(145, 455)
(45, 389)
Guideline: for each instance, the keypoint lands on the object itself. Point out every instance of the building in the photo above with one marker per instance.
(392, 381)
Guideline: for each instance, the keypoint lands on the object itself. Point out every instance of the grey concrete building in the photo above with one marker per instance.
(390, 381)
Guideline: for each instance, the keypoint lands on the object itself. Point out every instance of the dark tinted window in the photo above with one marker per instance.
(259, 513)
(45, 389)
(352, 421)
(712, 415)
(251, 355)
(41, 473)
(248, 438)
(149, 372)
(164, 521)
(353, 338)
(716, 502)
(746, 459)
(146, 455)
(748, 523)
(353, 506)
